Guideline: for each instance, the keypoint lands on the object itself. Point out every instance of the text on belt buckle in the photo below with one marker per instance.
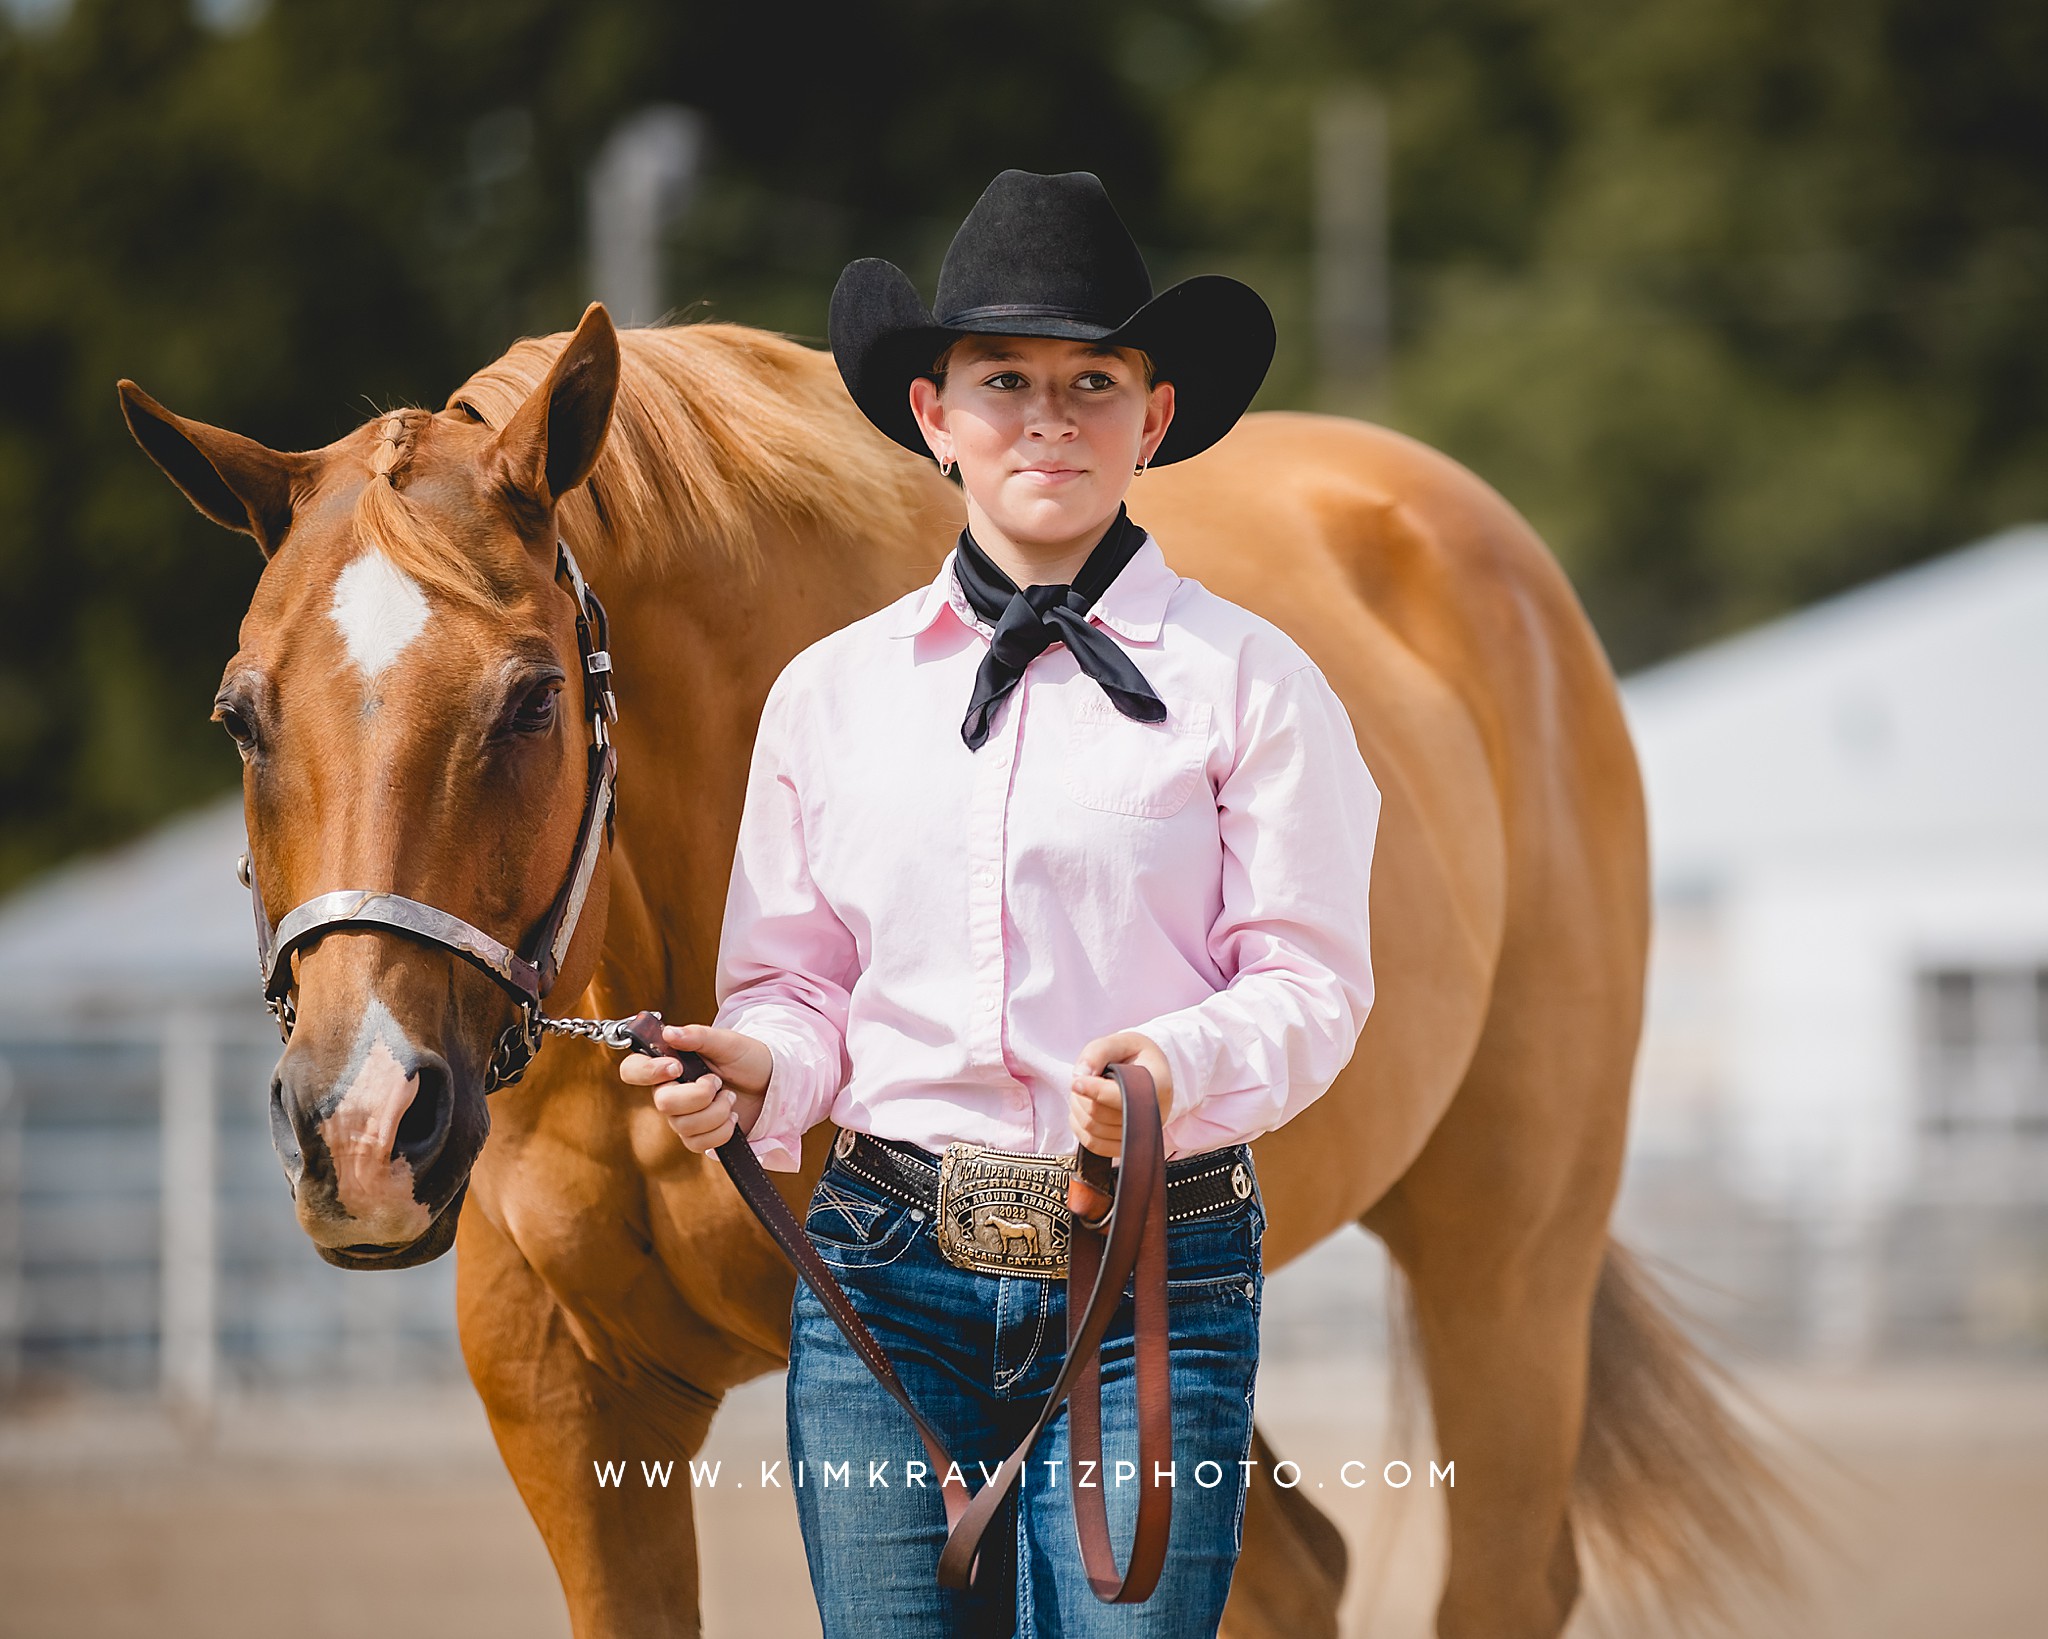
(1003, 1212)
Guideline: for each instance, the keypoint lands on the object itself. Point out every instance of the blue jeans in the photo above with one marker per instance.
(978, 1354)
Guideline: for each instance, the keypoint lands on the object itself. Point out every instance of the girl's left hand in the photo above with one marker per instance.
(1095, 1106)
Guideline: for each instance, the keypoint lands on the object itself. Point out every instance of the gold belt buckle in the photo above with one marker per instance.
(1002, 1212)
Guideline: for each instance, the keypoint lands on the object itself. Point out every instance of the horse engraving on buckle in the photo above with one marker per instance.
(1002, 1212)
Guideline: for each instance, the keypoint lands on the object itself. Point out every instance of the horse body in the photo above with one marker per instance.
(612, 1286)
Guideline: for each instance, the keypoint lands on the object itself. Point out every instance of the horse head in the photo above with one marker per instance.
(411, 709)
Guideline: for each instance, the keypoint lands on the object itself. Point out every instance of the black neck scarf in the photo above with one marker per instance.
(1030, 620)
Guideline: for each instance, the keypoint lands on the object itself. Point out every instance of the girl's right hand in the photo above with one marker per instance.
(705, 1112)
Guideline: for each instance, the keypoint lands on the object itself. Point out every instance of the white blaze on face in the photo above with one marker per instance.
(379, 608)
(372, 1188)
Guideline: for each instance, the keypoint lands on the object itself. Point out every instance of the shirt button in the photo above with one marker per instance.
(986, 878)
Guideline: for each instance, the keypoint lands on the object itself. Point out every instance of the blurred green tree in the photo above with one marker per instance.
(1739, 300)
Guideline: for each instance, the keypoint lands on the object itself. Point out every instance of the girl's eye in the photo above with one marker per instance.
(1096, 381)
(1005, 380)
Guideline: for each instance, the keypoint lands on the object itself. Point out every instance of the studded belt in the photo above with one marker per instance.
(1004, 1212)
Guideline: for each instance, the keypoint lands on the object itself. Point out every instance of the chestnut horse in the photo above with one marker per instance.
(408, 702)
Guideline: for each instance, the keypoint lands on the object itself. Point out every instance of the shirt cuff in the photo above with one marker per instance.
(1193, 1126)
(800, 1089)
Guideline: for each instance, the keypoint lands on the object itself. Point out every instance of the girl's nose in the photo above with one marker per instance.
(1050, 417)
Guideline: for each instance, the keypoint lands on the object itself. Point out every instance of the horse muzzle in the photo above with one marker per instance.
(439, 1237)
(378, 1151)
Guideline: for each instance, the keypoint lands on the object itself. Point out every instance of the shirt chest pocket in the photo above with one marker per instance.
(1119, 765)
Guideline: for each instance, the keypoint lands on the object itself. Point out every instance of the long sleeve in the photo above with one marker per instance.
(1299, 813)
(786, 962)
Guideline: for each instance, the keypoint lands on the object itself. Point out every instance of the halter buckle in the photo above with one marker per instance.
(514, 1053)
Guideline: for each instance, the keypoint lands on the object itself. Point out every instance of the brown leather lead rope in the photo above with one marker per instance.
(1118, 1227)
(744, 1167)
(1088, 1262)
(1134, 1237)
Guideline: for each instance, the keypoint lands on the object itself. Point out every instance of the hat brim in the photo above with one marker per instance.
(1211, 336)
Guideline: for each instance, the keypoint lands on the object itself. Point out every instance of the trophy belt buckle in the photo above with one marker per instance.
(1004, 1212)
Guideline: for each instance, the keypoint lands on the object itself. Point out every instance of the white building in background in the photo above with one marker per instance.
(159, 926)
(1849, 989)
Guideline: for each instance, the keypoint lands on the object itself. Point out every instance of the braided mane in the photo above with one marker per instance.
(407, 534)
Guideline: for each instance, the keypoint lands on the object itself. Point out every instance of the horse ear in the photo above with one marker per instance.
(234, 480)
(552, 441)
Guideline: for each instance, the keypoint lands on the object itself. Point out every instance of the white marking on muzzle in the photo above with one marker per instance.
(379, 608)
(369, 1185)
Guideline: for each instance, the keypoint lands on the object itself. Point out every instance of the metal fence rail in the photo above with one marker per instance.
(146, 1232)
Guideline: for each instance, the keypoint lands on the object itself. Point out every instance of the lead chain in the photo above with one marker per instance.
(605, 1032)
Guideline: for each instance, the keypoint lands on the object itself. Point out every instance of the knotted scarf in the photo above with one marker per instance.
(1029, 620)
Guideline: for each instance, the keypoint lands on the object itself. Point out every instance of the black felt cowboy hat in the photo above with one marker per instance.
(1049, 256)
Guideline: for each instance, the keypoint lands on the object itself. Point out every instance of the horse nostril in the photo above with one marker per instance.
(283, 1136)
(423, 1129)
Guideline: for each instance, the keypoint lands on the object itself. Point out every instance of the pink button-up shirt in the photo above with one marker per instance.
(926, 937)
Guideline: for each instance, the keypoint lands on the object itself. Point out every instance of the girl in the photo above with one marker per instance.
(1147, 840)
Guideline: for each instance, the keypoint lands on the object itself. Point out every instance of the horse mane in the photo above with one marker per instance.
(716, 429)
(389, 522)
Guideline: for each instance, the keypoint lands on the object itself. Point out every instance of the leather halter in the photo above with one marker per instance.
(528, 972)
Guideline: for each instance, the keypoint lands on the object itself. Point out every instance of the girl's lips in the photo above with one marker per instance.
(1048, 475)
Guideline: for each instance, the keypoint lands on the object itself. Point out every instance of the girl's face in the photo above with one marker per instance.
(1048, 434)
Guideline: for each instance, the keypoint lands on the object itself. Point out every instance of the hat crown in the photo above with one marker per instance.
(1044, 245)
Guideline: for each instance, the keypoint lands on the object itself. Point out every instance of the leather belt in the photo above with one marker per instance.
(1002, 1212)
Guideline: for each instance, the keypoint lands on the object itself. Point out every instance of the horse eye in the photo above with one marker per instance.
(235, 720)
(536, 711)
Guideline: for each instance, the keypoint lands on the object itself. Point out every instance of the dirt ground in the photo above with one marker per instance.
(396, 1519)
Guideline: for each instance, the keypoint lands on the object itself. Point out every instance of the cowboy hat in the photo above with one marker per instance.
(1049, 256)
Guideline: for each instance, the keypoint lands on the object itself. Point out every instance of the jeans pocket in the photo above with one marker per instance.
(1218, 1250)
(855, 1227)
(856, 1213)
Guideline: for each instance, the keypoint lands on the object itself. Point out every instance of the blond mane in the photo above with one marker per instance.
(718, 428)
(389, 522)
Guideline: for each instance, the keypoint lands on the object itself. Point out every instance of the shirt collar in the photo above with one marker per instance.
(1134, 606)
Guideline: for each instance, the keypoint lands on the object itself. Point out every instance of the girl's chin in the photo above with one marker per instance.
(1054, 513)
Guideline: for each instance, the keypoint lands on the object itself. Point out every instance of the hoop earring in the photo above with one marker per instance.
(1139, 470)
(945, 469)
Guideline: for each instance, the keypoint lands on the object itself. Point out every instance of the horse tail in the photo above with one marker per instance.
(1674, 1502)
(1675, 1509)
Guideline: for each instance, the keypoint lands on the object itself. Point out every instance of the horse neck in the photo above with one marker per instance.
(695, 653)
